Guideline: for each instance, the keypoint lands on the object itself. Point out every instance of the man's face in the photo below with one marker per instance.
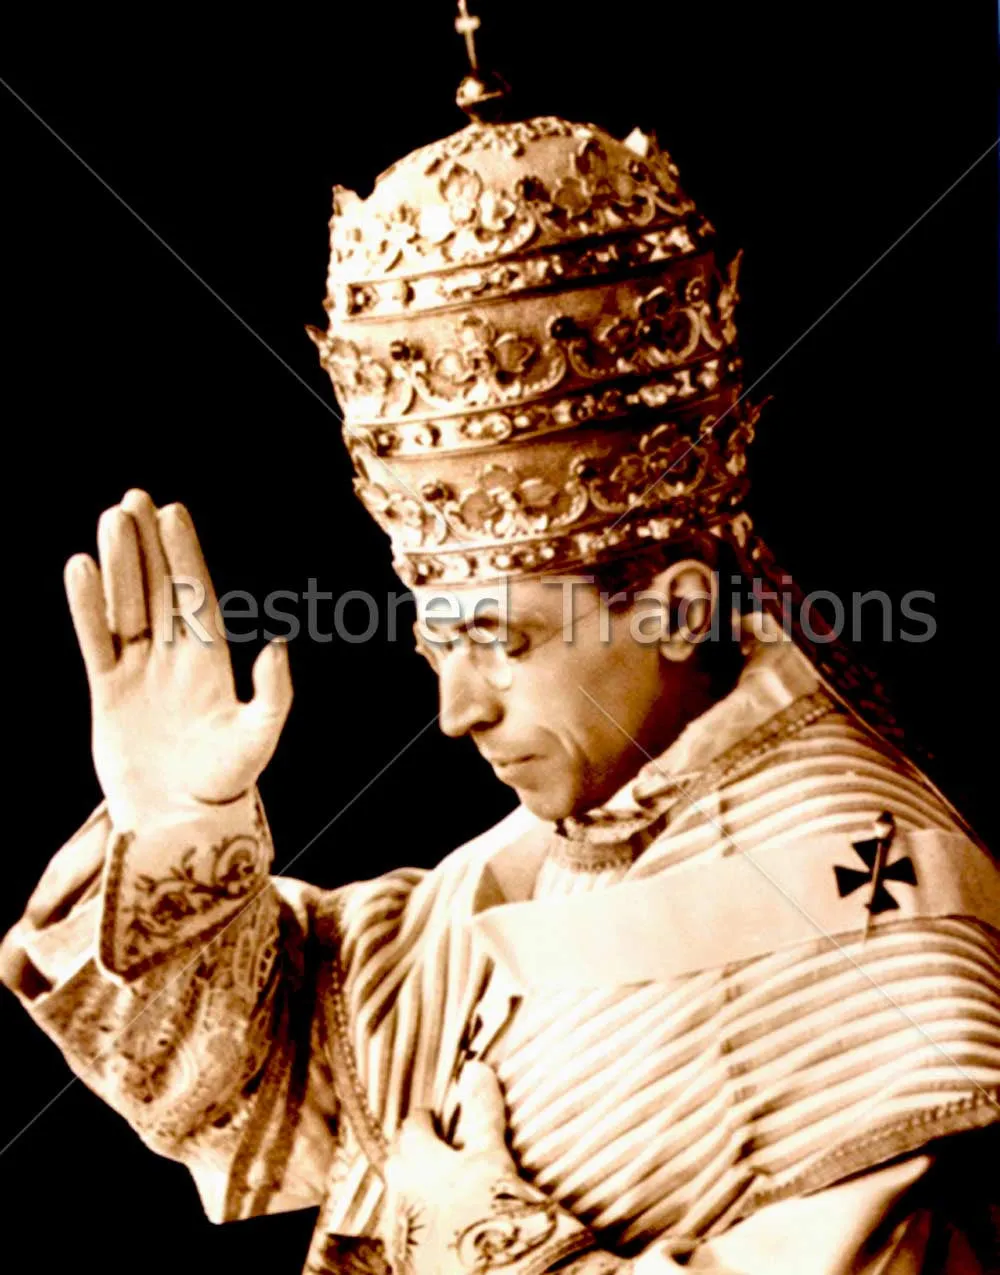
(561, 696)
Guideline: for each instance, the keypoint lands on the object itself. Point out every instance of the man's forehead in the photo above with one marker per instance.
(540, 597)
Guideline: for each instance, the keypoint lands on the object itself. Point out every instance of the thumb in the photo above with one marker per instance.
(272, 686)
(483, 1123)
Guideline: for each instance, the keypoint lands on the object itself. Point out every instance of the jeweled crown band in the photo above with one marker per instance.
(514, 351)
(552, 267)
(558, 504)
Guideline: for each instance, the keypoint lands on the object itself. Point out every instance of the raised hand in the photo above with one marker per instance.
(169, 734)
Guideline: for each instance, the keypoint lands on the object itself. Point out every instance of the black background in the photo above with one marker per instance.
(814, 136)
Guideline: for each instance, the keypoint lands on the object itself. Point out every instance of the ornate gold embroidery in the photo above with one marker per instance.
(520, 1221)
(194, 886)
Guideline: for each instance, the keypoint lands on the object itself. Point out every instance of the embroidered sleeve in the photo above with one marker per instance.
(166, 889)
(179, 982)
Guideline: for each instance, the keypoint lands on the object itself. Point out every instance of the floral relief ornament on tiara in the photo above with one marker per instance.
(696, 477)
(664, 326)
(470, 221)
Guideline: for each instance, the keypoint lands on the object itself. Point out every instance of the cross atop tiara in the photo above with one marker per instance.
(481, 94)
(467, 24)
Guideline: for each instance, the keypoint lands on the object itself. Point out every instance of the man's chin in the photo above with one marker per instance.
(544, 803)
(535, 789)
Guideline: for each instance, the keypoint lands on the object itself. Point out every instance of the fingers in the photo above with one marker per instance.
(417, 1133)
(122, 575)
(144, 551)
(153, 563)
(132, 596)
(483, 1124)
(416, 1146)
(194, 596)
(85, 594)
(419, 1147)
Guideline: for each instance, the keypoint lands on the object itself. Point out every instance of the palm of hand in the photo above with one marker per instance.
(168, 729)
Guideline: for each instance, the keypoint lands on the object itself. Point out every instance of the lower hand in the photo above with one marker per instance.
(461, 1210)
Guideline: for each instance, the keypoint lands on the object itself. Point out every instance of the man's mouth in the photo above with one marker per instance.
(507, 766)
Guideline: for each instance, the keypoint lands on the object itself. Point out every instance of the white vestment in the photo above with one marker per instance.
(756, 1087)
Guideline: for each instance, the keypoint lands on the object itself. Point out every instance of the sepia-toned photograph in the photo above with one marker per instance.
(500, 640)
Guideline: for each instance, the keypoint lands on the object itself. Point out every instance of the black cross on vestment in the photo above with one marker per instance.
(873, 853)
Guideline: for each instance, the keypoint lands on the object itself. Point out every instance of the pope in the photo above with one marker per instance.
(723, 992)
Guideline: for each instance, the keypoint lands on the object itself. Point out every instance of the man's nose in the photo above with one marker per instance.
(467, 700)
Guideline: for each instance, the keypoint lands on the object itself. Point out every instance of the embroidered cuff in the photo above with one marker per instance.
(523, 1232)
(179, 883)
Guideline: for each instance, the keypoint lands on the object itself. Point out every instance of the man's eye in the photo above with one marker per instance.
(508, 647)
(516, 644)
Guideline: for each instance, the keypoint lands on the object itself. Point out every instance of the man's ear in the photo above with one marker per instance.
(691, 591)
